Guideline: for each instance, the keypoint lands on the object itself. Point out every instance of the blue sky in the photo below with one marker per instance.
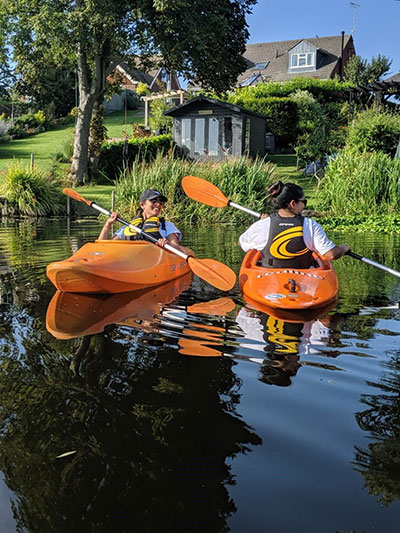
(377, 26)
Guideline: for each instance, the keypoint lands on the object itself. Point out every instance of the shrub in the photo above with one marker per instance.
(31, 191)
(158, 121)
(281, 116)
(133, 100)
(111, 161)
(359, 184)
(375, 130)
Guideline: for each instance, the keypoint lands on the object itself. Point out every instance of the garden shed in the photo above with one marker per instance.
(208, 128)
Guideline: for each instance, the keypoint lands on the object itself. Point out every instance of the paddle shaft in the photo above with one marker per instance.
(245, 209)
(140, 231)
(374, 263)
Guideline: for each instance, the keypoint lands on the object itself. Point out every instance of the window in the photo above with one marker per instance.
(250, 81)
(199, 129)
(186, 129)
(303, 60)
(247, 136)
(261, 64)
(213, 130)
(227, 134)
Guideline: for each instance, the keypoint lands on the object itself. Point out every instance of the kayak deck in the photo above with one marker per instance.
(291, 289)
(116, 266)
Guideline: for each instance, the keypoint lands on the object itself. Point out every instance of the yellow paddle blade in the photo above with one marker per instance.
(214, 272)
(203, 191)
(76, 196)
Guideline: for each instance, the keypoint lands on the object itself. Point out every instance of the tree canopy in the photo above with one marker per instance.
(197, 38)
(360, 72)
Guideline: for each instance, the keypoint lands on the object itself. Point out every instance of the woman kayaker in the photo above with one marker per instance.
(148, 219)
(286, 238)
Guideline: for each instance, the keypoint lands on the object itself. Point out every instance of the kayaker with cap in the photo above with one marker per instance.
(286, 238)
(148, 219)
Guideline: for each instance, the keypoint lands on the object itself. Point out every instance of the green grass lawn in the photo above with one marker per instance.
(45, 145)
(286, 168)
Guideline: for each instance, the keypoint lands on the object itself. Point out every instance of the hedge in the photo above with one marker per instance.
(281, 116)
(111, 162)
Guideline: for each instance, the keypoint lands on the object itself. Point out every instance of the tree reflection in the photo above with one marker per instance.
(152, 432)
(380, 462)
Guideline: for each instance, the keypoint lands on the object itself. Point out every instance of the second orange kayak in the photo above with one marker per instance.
(291, 289)
(116, 266)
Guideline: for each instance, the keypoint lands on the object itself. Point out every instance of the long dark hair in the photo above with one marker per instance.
(281, 194)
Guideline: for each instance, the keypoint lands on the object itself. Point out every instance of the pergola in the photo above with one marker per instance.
(381, 90)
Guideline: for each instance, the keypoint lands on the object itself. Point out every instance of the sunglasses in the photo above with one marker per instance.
(304, 201)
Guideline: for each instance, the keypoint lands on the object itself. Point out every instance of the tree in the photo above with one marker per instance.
(5, 71)
(361, 73)
(200, 39)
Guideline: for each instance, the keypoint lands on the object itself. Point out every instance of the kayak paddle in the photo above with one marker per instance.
(205, 192)
(215, 273)
(374, 263)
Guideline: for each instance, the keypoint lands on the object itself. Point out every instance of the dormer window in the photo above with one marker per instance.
(260, 65)
(303, 60)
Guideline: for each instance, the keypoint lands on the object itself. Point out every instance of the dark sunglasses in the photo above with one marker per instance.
(157, 201)
(304, 200)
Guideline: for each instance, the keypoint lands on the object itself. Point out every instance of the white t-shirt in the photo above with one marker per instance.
(169, 228)
(256, 237)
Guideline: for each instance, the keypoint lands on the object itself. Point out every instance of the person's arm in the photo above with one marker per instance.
(317, 241)
(172, 239)
(337, 252)
(107, 226)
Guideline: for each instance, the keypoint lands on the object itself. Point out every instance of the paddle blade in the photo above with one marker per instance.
(215, 273)
(219, 307)
(76, 196)
(203, 191)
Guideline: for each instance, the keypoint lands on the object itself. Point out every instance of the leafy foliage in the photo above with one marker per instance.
(158, 121)
(31, 191)
(357, 184)
(113, 158)
(374, 130)
(360, 73)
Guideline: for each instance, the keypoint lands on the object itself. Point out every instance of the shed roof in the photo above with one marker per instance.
(193, 103)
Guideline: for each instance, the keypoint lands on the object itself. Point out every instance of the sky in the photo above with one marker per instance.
(377, 24)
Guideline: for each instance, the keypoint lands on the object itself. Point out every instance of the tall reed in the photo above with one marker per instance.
(241, 180)
(31, 191)
(359, 184)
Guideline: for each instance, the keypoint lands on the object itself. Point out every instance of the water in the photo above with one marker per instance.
(183, 410)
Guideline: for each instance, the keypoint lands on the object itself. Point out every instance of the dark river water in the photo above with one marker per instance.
(181, 409)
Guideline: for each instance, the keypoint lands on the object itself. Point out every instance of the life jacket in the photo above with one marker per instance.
(151, 226)
(285, 247)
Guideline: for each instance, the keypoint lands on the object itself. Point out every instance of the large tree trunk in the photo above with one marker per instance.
(89, 92)
(98, 133)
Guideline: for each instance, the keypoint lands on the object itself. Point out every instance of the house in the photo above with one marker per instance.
(207, 128)
(158, 80)
(317, 57)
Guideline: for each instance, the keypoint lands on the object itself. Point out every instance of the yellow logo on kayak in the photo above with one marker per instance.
(279, 245)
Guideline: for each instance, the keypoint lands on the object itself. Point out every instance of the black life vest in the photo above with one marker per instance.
(151, 226)
(285, 247)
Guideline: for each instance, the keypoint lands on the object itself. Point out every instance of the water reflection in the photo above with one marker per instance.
(379, 461)
(160, 432)
(152, 434)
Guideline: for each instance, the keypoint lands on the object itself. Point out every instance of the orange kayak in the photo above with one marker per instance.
(288, 289)
(116, 266)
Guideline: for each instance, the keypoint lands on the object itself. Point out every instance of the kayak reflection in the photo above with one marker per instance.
(72, 315)
(283, 342)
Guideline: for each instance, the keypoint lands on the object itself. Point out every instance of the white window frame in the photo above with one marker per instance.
(309, 60)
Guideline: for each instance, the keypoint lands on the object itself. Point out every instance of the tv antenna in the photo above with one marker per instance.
(354, 6)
